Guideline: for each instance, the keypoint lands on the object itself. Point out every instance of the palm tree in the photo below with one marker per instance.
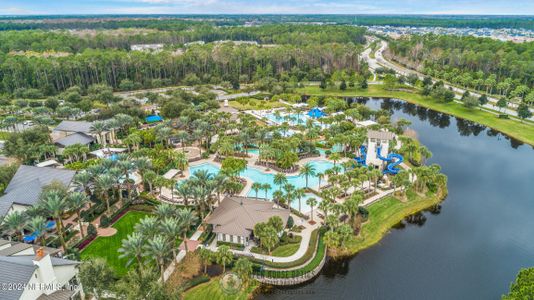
(147, 226)
(219, 183)
(15, 221)
(266, 188)
(280, 179)
(320, 176)
(104, 183)
(299, 193)
(224, 256)
(98, 128)
(187, 220)
(77, 201)
(307, 170)
(133, 140)
(54, 204)
(172, 228)
(132, 248)
(37, 225)
(325, 207)
(157, 249)
(143, 164)
(183, 190)
(150, 178)
(83, 181)
(243, 268)
(256, 186)
(180, 161)
(165, 210)
(205, 256)
(335, 157)
(311, 202)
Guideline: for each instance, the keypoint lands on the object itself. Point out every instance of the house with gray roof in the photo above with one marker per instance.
(78, 132)
(24, 189)
(234, 219)
(35, 274)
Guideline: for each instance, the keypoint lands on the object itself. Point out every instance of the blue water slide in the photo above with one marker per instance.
(393, 160)
(363, 156)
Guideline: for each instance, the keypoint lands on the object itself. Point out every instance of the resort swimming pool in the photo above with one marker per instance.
(256, 175)
(291, 119)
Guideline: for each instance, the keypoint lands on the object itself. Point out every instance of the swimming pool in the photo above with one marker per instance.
(256, 175)
(291, 119)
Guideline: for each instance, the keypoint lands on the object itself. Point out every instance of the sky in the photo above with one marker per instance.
(42, 7)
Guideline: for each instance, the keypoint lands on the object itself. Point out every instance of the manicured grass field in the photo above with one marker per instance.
(212, 290)
(521, 131)
(106, 247)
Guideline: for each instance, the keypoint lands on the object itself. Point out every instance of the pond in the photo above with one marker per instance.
(471, 248)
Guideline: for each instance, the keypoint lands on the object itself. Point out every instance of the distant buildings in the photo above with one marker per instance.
(147, 47)
(517, 35)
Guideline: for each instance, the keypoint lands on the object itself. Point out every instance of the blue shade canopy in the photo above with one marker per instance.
(153, 119)
(316, 113)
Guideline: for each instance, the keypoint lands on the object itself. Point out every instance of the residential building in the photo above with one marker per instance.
(79, 132)
(33, 272)
(25, 187)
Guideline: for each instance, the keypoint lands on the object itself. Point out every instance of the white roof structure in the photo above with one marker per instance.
(366, 123)
(48, 163)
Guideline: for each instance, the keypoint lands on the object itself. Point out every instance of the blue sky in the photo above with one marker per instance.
(25, 7)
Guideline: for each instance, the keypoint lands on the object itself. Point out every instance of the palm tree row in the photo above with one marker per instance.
(157, 235)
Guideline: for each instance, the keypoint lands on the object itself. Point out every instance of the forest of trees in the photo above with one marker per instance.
(77, 41)
(99, 60)
(483, 64)
(175, 22)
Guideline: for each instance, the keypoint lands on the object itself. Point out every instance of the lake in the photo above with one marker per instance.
(472, 248)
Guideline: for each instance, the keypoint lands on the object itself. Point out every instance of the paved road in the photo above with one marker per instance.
(380, 61)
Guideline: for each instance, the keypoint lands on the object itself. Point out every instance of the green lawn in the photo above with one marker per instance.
(286, 250)
(254, 104)
(280, 251)
(383, 215)
(521, 131)
(106, 247)
(212, 290)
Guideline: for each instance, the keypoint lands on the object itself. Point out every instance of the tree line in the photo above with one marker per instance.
(211, 63)
(483, 64)
(123, 38)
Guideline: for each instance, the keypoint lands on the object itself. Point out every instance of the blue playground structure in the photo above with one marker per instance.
(316, 113)
(30, 238)
(393, 160)
(361, 159)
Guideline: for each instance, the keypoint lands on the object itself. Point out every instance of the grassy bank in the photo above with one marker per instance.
(383, 215)
(212, 290)
(521, 131)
